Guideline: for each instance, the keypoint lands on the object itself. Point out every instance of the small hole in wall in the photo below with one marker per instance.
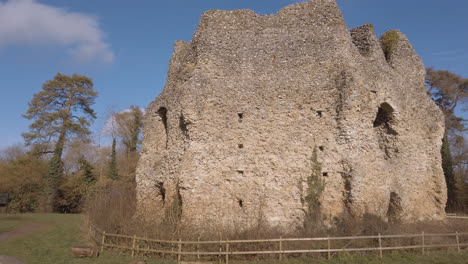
(241, 203)
(322, 148)
(325, 174)
(241, 146)
(162, 112)
(319, 113)
(241, 172)
(241, 116)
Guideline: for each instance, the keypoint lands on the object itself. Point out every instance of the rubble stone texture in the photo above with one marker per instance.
(230, 138)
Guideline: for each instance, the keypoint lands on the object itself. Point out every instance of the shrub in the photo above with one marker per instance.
(22, 177)
(111, 206)
(389, 41)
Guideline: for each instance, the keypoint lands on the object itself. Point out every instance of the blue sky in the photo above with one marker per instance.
(125, 46)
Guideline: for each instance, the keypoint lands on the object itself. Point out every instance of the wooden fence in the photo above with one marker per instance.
(279, 248)
(457, 216)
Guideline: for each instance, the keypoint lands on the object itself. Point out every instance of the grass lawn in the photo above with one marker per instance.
(10, 223)
(52, 242)
(392, 258)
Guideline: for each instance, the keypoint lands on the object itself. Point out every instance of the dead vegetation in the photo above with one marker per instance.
(112, 209)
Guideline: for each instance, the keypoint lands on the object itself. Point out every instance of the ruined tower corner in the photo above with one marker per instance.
(366, 41)
(400, 54)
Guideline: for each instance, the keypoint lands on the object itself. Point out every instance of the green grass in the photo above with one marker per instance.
(9, 223)
(389, 258)
(53, 243)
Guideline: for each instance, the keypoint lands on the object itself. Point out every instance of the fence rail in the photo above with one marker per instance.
(457, 216)
(280, 247)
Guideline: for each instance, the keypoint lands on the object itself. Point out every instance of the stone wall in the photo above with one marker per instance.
(229, 141)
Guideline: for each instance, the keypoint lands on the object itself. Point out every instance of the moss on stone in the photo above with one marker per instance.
(389, 41)
(370, 27)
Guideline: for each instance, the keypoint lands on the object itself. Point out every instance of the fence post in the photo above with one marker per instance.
(179, 255)
(328, 241)
(281, 248)
(198, 248)
(133, 245)
(172, 249)
(380, 245)
(227, 252)
(103, 240)
(423, 243)
(220, 248)
(458, 241)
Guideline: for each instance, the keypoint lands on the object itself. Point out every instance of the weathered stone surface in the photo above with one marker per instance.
(232, 134)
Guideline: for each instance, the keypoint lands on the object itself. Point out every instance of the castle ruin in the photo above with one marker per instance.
(252, 97)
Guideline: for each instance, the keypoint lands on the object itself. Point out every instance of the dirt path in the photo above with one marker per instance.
(9, 260)
(28, 228)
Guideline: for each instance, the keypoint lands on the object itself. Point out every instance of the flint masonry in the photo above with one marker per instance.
(230, 138)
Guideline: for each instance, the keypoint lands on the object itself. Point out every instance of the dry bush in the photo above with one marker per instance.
(111, 206)
(367, 225)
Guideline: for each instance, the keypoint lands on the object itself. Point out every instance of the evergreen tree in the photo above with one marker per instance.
(447, 166)
(113, 172)
(61, 109)
(87, 172)
(450, 91)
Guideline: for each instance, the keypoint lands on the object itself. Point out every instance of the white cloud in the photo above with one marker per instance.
(29, 22)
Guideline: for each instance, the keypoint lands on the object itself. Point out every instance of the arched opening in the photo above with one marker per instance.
(384, 124)
(394, 208)
(385, 118)
(162, 112)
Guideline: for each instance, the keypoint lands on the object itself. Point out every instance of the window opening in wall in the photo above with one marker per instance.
(241, 203)
(384, 118)
(163, 114)
(241, 146)
(241, 116)
(319, 113)
(321, 148)
(241, 172)
(394, 208)
(325, 174)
